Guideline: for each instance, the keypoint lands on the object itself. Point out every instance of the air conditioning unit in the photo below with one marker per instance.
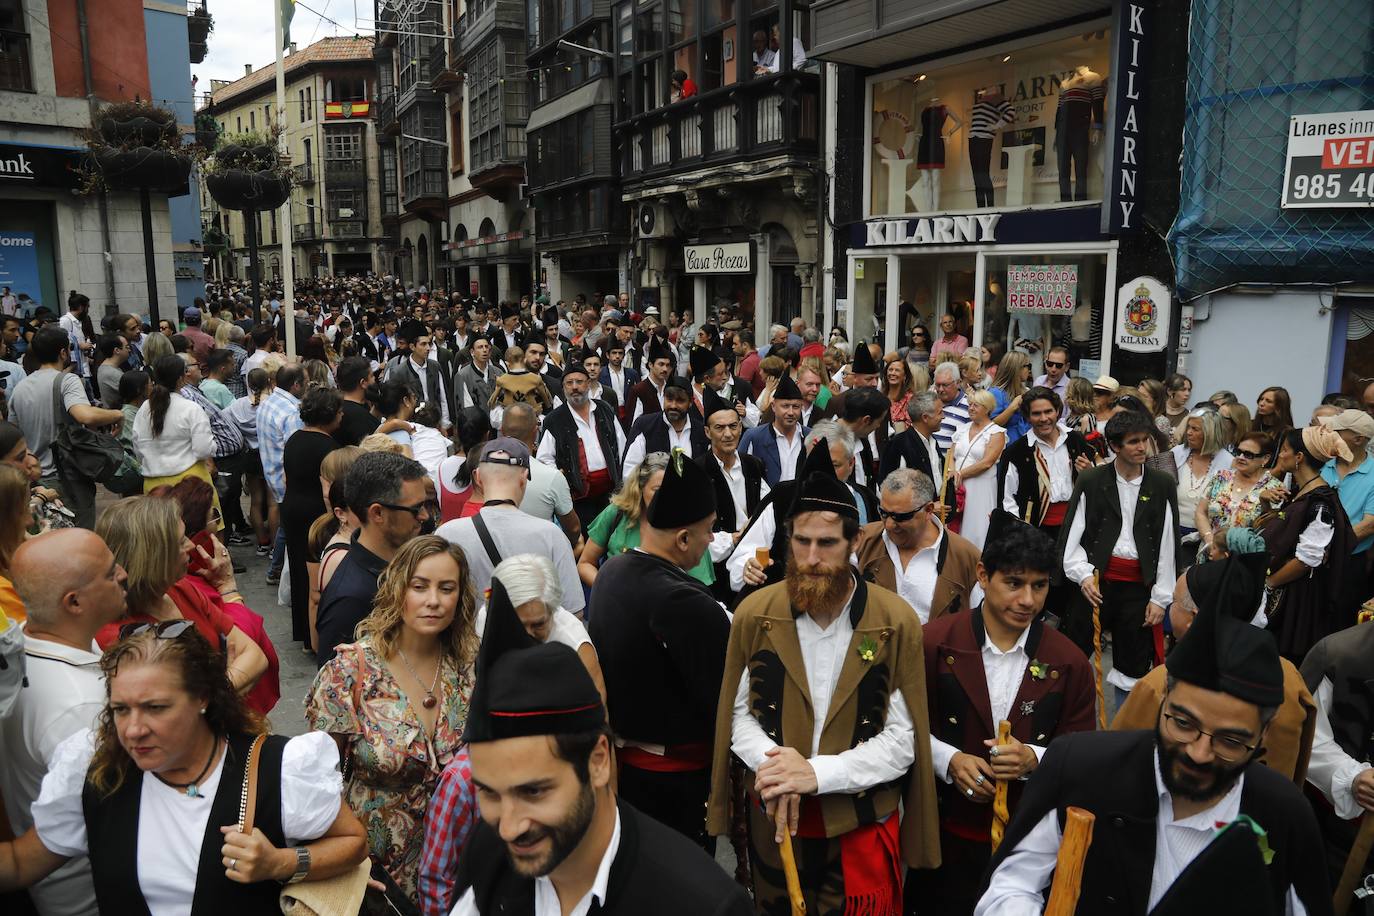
(654, 221)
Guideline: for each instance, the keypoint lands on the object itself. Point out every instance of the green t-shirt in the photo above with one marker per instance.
(613, 533)
(216, 393)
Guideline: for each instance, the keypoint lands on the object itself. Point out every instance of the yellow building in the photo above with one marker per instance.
(330, 137)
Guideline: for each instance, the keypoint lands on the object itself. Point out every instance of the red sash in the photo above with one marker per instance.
(1054, 515)
(1120, 569)
(677, 758)
(871, 857)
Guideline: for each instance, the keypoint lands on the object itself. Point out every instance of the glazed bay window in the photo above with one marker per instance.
(652, 76)
(16, 67)
(1019, 126)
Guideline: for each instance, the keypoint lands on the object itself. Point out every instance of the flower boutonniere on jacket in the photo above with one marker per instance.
(1038, 669)
(868, 650)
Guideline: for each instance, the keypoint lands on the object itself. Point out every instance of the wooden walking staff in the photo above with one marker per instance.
(1097, 653)
(944, 481)
(789, 870)
(1068, 870)
(1000, 814)
(1354, 866)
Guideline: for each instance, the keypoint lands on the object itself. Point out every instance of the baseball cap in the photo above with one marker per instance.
(1356, 420)
(191, 312)
(505, 450)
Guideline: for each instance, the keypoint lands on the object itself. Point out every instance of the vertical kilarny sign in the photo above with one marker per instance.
(1122, 192)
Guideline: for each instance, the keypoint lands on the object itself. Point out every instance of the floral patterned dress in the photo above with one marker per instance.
(393, 765)
(1230, 506)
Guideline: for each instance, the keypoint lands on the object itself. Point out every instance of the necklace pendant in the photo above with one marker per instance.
(192, 791)
(430, 701)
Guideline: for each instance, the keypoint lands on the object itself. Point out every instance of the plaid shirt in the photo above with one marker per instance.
(236, 384)
(228, 439)
(448, 823)
(278, 417)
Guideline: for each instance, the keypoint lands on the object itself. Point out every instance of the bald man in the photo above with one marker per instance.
(71, 586)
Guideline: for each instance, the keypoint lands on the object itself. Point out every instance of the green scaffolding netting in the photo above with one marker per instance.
(1252, 64)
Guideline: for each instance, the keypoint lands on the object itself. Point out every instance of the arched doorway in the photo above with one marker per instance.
(489, 279)
(786, 289)
(422, 262)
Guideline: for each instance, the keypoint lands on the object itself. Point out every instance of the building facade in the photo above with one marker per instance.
(56, 68)
(718, 141)
(329, 133)
(1000, 161)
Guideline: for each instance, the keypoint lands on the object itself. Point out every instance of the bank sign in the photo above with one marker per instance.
(1330, 161)
(728, 258)
(38, 166)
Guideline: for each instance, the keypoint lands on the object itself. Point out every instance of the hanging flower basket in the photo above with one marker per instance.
(242, 189)
(142, 167)
(133, 124)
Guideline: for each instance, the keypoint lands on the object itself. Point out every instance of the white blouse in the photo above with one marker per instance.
(171, 824)
(186, 438)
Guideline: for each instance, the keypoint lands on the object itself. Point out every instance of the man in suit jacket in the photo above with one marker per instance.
(423, 374)
(1194, 771)
(738, 480)
(779, 444)
(914, 447)
(912, 553)
(997, 662)
(809, 383)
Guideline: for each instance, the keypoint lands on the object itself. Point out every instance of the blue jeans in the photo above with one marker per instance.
(278, 553)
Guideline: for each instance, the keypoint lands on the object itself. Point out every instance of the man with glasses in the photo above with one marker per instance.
(386, 491)
(909, 551)
(982, 660)
(500, 529)
(954, 405)
(1159, 797)
(1056, 377)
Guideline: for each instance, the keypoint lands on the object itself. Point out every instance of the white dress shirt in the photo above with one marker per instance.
(596, 459)
(916, 580)
(1331, 769)
(676, 439)
(1003, 672)
(617, 377)
(1079, 569)
(761, 535)
(883, 758)
(546, 901)
(788, 453)
(1060, 466)
(1016, 885)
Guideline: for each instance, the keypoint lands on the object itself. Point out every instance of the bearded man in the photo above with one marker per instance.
(583, 439)
(824, 701)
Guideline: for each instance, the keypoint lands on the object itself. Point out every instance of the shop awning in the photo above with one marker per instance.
(877, 35)
(597, 93)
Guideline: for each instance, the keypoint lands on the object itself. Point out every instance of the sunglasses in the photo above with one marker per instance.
(1053, 365)
(1251, 456)
(167, 629)
(900, 517)
(413, 510)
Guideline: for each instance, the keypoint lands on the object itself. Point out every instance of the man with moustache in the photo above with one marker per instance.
(583, 439)
(995, 662)
(660, 637)
(738, 480)
(1159, 796)
(710, 371)
(824, 701)
(553, 839)
(676, 426)
(647, 396)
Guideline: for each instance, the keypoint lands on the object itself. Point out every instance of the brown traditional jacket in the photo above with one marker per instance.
(1288, 742)
(763, 638)
(956, 567)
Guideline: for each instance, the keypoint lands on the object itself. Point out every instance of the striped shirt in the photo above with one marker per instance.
(987, 117)
(228, 438)
(954, 417)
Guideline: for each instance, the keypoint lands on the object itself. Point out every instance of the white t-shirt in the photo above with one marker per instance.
(430, 447)
(546, 495)
(64, 694)
(171, 825)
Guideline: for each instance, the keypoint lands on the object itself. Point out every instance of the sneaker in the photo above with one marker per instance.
(238, 538)
(264, 550)
(274, 578)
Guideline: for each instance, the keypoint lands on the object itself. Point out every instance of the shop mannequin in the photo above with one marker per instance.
(894, 140)
(990, 111)
(930, 154)
(1077, 126)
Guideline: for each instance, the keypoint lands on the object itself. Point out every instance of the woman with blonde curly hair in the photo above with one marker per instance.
(396, 700)
(148, 787)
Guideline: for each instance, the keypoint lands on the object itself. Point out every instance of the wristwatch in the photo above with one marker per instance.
(302, 866)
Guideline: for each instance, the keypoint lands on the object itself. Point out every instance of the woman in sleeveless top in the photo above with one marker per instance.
(152, 794)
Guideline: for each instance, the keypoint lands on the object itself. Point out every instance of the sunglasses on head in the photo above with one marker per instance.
(167, 629)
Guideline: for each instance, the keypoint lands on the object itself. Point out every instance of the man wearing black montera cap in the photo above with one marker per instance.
(661, 636)
(677, 425)
(647, 395)
(824, 700)
(553, 839)
(1160, 796)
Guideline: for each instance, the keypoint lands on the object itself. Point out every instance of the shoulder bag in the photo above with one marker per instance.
(341, 894)
(79, 452)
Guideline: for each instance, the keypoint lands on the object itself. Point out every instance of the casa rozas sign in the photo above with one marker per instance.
(729, 258)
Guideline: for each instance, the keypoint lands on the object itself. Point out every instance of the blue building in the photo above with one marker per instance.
(172, 30)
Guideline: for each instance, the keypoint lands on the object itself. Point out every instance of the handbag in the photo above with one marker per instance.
(341, 894)
(79, 452)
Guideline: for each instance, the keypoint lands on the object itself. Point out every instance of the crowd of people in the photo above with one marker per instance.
(589, 589)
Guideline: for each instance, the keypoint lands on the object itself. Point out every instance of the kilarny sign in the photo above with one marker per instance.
(1330, 161)
(1132, 30)
(728, 258)
(938, 230)
(1144, 309)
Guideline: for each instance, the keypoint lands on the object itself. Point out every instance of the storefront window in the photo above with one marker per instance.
(1015, 128)
(1034, 302)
